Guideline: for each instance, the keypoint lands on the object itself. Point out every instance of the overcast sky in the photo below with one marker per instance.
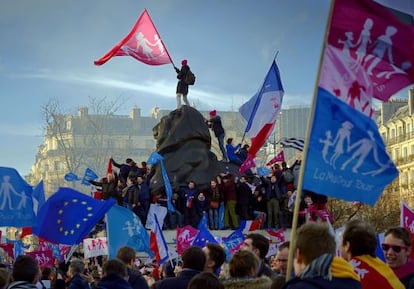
(47, 50)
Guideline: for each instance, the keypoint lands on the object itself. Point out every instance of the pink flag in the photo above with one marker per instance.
(407, 221)
(247, 164)
(407, 217)
(279, 158)
(8, 248)
(43, 258)
(143, 43)
(369, 54)
(185, 237)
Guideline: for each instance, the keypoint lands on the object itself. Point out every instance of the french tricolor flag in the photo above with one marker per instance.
(262, 110)
(248, 226)
(157, 242)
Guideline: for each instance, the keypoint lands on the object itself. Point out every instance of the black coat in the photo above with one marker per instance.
(113, 281)
(179, 282)
(182, 87)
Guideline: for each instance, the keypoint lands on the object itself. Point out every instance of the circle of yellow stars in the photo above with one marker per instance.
(84, 219)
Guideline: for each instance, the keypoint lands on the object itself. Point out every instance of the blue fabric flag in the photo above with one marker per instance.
(19, 249)
(203, 222)
(263, 171)
(125, 229)
(232, 242)
(56, 251)
(16, 205)
(347, 158)
(221, 216)
(71, 177)
(89, 175)
(378, 250)
(68, 216)
(154, 159)
(203, 237)
(39, 195)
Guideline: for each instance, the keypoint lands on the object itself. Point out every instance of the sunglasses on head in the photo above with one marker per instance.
(395, 248)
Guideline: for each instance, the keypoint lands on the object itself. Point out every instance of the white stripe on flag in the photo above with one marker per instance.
(297, 143)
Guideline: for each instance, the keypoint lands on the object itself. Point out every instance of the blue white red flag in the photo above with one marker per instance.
(262, 110)
(158, 244)
(248, 226)
(367, 56)
(125, 229)
(143, 43)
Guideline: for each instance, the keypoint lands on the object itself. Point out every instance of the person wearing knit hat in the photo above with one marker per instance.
(182, 87)
(215, 124)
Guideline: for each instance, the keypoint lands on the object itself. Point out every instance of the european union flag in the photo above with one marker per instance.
(347, 158)
(203, 237)
(68, 216)
(125, 229)
(16, 205)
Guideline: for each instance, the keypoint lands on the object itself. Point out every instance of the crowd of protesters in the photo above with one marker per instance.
(231, 198)
(316, 265)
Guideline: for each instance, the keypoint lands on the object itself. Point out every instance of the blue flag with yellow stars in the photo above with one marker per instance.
(68, 216)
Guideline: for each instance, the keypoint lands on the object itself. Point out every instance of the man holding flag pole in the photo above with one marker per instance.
(355, 166)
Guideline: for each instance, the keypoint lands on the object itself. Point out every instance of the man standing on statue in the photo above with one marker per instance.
(215, 124)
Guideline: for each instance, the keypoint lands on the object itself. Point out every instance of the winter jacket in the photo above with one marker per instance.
(78, 283)
(179, 282)
(113, 281)
(182, 87)
(262, 282)
(326, 272)
(21, 285)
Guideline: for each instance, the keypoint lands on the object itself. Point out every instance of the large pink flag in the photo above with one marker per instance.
(407, 221)
(143, 43)
(368, 54)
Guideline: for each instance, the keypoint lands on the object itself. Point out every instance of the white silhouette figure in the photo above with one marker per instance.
(360, 271)
(363, 41)
(326, 144)
(343, 135)
(383, 47)
(6, 188)
(405, 66)
(364, 147)
(144, 43)
(409, 226)
(22, 203)
(158, 43)
(347, 45)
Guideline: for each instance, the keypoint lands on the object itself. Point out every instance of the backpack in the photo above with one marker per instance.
(288, 176)
(189, 78)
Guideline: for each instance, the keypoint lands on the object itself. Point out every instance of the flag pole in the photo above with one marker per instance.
(156, 30)
(257, 100)
(292, 249)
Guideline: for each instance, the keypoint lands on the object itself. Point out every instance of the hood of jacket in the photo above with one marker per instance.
(262, 282)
